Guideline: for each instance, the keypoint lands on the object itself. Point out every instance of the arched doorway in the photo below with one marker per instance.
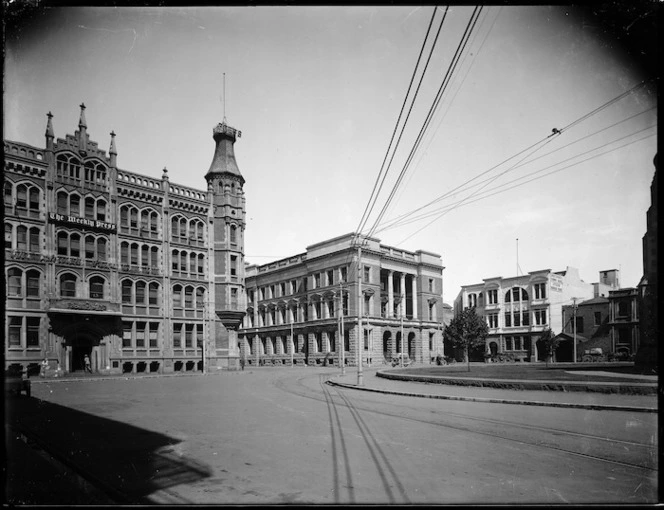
(493, 348)
(386, 344)
(398, 349)
(411, 345)
(80, 344)
(83, 335)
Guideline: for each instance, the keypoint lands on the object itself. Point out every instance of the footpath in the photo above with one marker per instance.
(589, 398)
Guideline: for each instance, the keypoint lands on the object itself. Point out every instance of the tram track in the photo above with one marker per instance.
(553, 437)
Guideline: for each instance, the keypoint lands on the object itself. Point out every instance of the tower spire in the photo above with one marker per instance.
(113, 151)
(83, 134)
(49, 132)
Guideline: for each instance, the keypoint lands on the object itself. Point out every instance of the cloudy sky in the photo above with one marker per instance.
(317, 91)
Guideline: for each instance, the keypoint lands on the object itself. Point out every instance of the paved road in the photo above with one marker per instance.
(284, 436)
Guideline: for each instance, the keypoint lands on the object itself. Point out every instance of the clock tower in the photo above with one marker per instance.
(227, 223)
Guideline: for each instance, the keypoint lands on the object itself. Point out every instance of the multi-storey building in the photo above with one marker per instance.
(624, 320)
(139, 273)
(517, 309)
(591, 318)
(298, 306)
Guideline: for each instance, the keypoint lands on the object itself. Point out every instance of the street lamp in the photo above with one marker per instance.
(360, 335)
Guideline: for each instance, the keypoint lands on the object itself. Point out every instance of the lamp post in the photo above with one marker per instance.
(574, 325)
(292, 340)
(401, 303)
(360, 333)
(342, 344)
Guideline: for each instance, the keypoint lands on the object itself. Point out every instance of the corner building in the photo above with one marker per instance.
(298, 307)
(141, 274)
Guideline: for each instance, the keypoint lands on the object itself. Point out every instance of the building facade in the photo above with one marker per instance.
(517, 309)
(624, 321)
(304, 309)
(593, 330)
(139, 273)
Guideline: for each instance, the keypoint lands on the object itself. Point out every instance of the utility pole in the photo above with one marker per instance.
(360, 333)
(402, 342)
(574, 324)
(342, 338)
(292, 340)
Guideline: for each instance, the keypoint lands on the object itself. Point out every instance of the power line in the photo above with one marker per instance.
(469, 27)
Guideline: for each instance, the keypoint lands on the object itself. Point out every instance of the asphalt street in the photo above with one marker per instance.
(282, 435)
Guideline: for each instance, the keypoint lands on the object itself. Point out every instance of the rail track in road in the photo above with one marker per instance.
(615, 451)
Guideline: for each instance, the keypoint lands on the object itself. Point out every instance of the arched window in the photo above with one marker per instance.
(127, 291)
(140, 293)
(63, 243)
(133, 254)
(154, 256)
(145, 221)
(124, 217)
(183, 261)
(22, 196)
(200, 297)
(183, 229)
(177, 296)
(74, 168)
(124, 253)
(89, 247)
(233, 234)
(201, 263)
(154, 223)
(192, 263)
(68, 285)
(189, 297)
(101, 210)
(33, 199)
(75, 245)
(133, 219)
(175, 227)
(34, 240)
(96, 287)
(22, 238)
(8, 236)
(101, 249)
(153, 293)
(9, 200)
(175, 260)
(145, 255)
(61, 165)
(14, 282)
(74, 205)
(90, 208)
(33, 283)
(63, 203)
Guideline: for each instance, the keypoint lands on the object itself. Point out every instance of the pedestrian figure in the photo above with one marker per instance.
(44, 366)
(58, 370)
(242, 363)
(88, 366)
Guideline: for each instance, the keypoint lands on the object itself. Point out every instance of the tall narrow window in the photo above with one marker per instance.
(15, 326)
(101, 249)
(133, 252)
(22, 196)
(154, 256)
(75, 245)
(153, 294)
(33, 283)
(74, 205)
(34, 240)
(177, 296)
(189, 335)
(22, 238)
(177, 335)
(189, 297)
(96, 287)
(126, 334)
(8, 236)
(90, 208)
(200, 298)
(127, 290)
(154, 335)
(14, 278)
(140, 335)
(192, 263)
(140, 293)
(201, 263)
(68, 285)
(124, 253)
(33, 196)
(89, 247)
(233, 265)
(63, 203)
(32, 336)
(145, 255)
(233, 234)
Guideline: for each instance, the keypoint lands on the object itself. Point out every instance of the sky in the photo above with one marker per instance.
(317, 93)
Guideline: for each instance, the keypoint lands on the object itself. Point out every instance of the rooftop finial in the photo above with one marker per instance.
(224, 102)
(82, 122)
(49, 125)
(113, 149)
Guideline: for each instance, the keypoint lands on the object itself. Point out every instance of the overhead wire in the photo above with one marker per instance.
(462, 44)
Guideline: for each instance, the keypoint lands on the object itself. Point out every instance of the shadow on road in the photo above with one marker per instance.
(128, 463)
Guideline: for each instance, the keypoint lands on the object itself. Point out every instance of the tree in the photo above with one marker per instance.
(465, 331)
(549, 342)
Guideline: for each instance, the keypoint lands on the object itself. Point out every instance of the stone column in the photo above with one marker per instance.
(414, 298)
(390, 295)
(402, 304)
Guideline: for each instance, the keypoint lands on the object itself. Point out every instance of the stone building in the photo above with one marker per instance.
(139, 273)
(517, 309)
(592, 328)
(297, 306)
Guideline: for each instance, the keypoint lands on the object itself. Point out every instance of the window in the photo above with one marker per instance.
(367, 274)
(140, 334)
(177, 335)
(154, 256)
(233, 234)
(101, 210)
(8, 236)
(33, 280)
(101, 249)
(140, 293)
(366, 304)
(200, 338)
(201, 263)
(153, 294)
(33, 199)
(22, 196)
(579, 324)
(366, 340)
(540, 317)
(14, 278)
(492, 296)
(75, 246)
(15, 326)
(540, 290)
(63, 203)
(598, 318)
(68, 285)
(32, 338)
(472, 300)
(189, 297)
(96, 287)
(330, 277)
(126, 335)
(234, 266)
(492, 320)
(344, 274)
(508, 319)
(177, 296)
(430, 284)
(145, 255)
(154, 335)
(22, 238)
(200, 297)
(189, 335)
(127, 287)
(90, 208)
(133, 254)
(316, 281)
(74, 205)
(89, 247)
(282, 288)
